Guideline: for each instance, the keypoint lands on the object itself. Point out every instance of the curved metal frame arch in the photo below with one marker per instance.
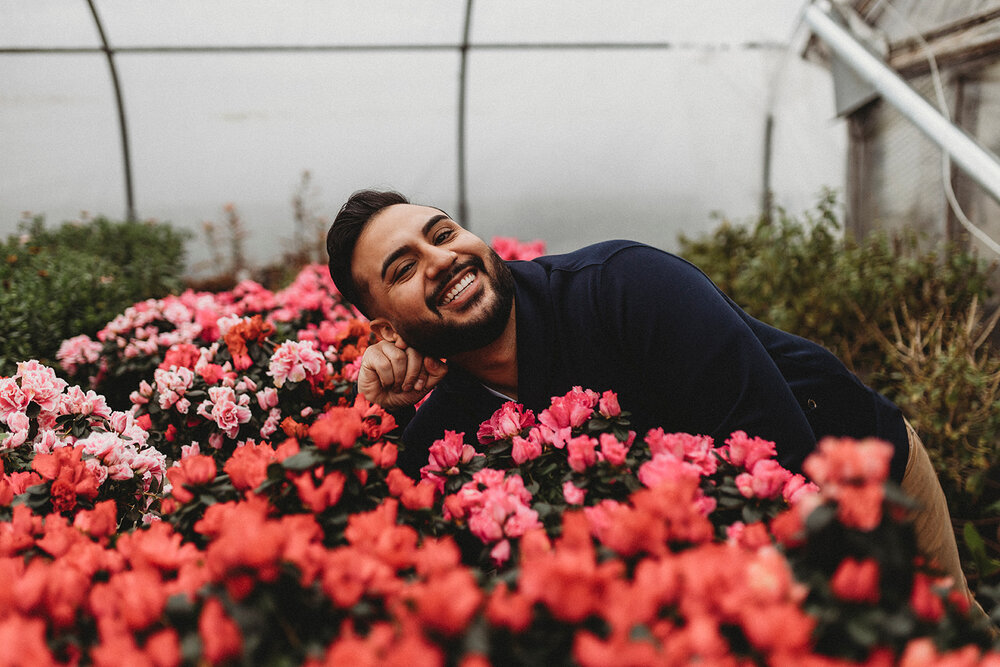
(122, 125)
(463, 204)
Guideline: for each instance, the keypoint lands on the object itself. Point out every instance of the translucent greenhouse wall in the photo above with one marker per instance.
(582, 120)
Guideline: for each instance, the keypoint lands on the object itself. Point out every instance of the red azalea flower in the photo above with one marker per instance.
(144, 421)
(247, 467)
(924, 601)
(857, 581)
(25, 637)
(339, 426)
(181, 355)
(250, 330)
(212, 373)
(326, 494)
(69, 474)
(508, 609)
(100, 522)
(446, 602)
(135, 599)
(413, 495)
(220, 636)
(194, 470)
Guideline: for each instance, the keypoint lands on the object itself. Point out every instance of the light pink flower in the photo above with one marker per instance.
(18, 421)
(12, 399)
(573, 494)
(267, 398)
(294, 361)
(226, 410)
(40, 384)
(75, 402)
(76, 351)
(172, 385)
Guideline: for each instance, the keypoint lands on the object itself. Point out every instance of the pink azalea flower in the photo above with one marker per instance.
(294, 361)
(509, 420)
(40, 384)
(570, 410)
(12, 399)
(76, 351)
(742, 450)
(612, 450)
(171, 385)
(581, 452)
(75, 402)
(226, 410)
(573, 494)
(766, 480)
(608, 404)
(526, 449)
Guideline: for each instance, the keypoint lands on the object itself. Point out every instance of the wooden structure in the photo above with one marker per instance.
(895, 175)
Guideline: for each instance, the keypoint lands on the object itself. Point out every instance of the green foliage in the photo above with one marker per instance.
(908, 321)
(806, 277)
(58, 283)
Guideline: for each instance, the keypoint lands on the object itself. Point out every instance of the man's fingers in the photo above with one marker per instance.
(387, 363)
(414, 365)
(435, 371)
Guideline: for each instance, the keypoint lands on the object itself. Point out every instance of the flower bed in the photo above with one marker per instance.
(246, 508)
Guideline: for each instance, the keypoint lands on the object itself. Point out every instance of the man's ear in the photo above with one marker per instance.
(383, 329)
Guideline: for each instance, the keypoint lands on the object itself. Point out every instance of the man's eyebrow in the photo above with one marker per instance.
(402, 250)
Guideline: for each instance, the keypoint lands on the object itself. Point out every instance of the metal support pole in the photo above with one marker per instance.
(122, 125)
(463, 204)
(979, 163)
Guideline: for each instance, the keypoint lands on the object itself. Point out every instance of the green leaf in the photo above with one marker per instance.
(304, 460)
(977, 547)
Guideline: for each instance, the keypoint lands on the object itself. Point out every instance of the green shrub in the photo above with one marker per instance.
(808, 278)
(58, 283)
(908, 321)
(946, 376)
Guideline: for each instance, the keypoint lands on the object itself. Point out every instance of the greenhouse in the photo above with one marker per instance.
(678, 343)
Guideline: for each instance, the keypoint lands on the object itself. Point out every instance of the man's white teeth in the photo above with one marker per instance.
(457, 289)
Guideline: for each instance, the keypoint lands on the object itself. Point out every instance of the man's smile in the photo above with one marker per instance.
(458, 288)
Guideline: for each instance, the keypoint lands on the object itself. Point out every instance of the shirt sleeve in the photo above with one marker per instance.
(698, 355)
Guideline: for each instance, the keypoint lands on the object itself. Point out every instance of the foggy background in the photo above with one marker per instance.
(584, 120)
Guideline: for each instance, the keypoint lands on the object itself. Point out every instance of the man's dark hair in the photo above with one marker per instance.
(354, 215)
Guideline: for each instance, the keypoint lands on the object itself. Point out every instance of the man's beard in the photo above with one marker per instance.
(442, 340)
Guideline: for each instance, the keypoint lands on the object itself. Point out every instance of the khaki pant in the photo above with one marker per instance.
(935, 534)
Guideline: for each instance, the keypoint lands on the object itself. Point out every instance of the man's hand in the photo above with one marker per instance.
(394, 375)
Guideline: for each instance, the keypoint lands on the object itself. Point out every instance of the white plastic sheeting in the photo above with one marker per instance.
(585, 120)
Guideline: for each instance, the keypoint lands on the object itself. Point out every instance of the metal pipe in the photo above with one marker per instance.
(122, 125)
(979, 163)
(463, 202)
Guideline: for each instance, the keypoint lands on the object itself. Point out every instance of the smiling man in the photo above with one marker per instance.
(453, 317)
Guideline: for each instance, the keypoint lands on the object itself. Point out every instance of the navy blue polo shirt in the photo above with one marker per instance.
(680, 354)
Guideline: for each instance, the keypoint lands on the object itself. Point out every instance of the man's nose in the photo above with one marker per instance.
(439, 260)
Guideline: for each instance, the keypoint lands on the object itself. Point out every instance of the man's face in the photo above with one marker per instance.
(438, 286)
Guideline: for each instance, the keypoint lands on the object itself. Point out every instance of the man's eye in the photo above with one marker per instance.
(442, 236)
(403, 271)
